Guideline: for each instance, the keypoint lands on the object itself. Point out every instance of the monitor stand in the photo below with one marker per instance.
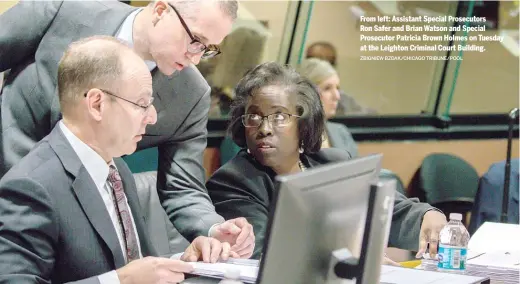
(344, 265)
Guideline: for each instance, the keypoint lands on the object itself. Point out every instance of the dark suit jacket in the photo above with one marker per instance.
(54, 226)
(34, 36)
(243, 187)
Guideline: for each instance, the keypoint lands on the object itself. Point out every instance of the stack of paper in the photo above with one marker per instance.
(495, 237)
(498, 252)
(500, 267)
(248, 268)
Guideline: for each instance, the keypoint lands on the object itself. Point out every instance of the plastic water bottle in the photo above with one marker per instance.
(453, 246)
(232, 276)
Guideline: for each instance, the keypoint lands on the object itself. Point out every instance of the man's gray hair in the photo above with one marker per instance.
(93, 62)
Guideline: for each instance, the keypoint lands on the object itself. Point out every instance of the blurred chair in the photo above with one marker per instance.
(145, 160)
(488, 201)
(446, 182)
(228, 150)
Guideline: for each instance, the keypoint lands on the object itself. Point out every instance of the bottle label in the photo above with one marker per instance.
(451, 257)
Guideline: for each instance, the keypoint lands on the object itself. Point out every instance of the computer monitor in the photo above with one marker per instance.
(335, 209)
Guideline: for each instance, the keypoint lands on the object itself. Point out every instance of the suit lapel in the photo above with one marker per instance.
(87, 194)
(90, 200)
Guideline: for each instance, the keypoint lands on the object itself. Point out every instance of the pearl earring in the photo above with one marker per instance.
(249, 152)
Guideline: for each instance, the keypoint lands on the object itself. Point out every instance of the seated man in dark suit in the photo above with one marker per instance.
(69, 209)
(279, 120)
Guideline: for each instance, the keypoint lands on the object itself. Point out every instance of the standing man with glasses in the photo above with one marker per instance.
(171, 36)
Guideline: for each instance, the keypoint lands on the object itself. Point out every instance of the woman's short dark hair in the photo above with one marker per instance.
(312, 122)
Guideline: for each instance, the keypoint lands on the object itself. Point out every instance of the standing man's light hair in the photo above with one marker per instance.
(190, 8)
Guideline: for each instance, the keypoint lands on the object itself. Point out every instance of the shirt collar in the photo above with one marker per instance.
(91, 160)
(125, 33)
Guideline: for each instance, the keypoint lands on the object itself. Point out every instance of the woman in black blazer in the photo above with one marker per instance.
(278, 120)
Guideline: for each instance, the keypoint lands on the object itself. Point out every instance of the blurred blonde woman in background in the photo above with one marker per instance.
(322, 74)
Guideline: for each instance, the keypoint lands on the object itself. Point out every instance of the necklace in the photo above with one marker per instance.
(301, 165)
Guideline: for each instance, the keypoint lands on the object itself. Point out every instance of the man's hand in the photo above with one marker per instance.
(432, 224)
(153, 270)
(238, 233)
(207, 250)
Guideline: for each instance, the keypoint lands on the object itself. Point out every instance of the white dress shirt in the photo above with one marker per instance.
(98, 170)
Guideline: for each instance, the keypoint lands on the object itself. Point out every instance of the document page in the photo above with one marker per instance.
(248, 268)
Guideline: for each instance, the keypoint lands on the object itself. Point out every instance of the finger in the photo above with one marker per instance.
(193, 257)
(388, 261)
(172, 277)
(434, 242)
(176, 265)
(244, 238)
(216, 248)
(205, 248)
(191, 254)
(229, 227)
(226, 248)
(240, 245)
(233, 254)
(246, 252)
(241, 222)
(423, 243)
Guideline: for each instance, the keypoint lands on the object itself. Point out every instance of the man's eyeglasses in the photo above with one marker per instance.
(279, 119)
(196, 46)
(144, 107)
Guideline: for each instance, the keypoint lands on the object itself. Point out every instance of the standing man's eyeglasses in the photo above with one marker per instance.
(196, 46)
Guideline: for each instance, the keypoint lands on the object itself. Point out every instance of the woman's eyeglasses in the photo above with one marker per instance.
(278, 119)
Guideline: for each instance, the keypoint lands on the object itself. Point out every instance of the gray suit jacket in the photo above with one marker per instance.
(54, 225)
(34, 36)
(243, 187)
